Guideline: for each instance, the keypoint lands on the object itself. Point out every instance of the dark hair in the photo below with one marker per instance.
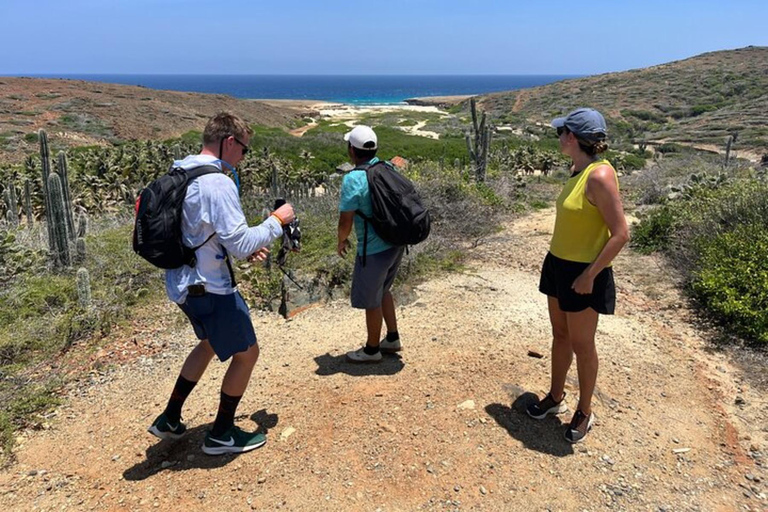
(592, 147)
(224, 125)
(363, 154)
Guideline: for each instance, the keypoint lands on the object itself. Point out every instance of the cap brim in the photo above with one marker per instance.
(347, 135)
(559, 122)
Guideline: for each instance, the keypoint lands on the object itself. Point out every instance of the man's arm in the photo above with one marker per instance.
(230, 225)
(346, 220)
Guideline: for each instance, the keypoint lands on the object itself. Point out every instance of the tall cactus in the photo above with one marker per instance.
(83, 287)
(478, 143)
(11, 203)
(80, 250)
(82, 225)
(58, 222)
(45, 158)
(28, 204)
(64, 175)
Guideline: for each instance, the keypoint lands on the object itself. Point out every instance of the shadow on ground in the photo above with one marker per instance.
(186, 453)
(545, 436)
(331, 365)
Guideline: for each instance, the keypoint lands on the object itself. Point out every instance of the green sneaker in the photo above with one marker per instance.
(234, 440)
(164, 429)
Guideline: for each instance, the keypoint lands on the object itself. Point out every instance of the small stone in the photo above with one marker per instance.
(466, 405)
(166, 464)
(190, 457)
(483, 490)
(261, 480)
(750, 477)
(740, 401)
(32, 473)
(456, 488)
(288, 432)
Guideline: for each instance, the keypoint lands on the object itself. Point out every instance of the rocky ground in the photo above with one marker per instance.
(439, 427)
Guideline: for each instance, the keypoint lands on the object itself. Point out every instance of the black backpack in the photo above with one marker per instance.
(157, 228)
(398, 217)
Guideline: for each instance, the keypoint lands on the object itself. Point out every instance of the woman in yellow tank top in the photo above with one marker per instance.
(590, 230)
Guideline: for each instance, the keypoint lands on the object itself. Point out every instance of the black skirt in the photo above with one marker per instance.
(557, 277)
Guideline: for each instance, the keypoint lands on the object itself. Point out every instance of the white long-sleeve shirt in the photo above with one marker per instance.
(212, 205)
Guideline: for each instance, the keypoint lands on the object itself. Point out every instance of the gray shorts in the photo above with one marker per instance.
(372, 281)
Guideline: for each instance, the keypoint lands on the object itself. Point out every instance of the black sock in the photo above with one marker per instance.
(370, 350)
(392, 336)
(225, 419)
(180, 392)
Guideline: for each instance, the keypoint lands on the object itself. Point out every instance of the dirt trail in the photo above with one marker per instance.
(403, 435)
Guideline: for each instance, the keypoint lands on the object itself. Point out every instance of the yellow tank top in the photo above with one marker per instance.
(580, 231)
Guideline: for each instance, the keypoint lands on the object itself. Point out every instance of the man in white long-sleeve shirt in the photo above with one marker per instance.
(213, 219)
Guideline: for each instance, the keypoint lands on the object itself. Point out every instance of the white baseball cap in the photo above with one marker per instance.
(362, 137)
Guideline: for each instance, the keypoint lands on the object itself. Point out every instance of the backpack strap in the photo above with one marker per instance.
(195, 173)
(366, 219)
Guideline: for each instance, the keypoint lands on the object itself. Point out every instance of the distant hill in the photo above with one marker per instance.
(77, 112)
(698, 101)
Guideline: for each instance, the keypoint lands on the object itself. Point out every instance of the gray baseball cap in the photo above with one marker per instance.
(585, 123)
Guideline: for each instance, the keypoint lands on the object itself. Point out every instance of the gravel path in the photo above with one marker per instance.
(441, 427)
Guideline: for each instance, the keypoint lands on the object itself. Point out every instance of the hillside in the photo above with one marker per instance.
(77, 112)
(700, 100)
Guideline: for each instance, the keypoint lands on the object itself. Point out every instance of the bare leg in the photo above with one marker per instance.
(388, 311)
(562, 351)
(239, 371)
(373, 321)
(581, 329)
(197, 361)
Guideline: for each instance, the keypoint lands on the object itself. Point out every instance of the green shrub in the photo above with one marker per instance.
(732, 280)
(653, 232)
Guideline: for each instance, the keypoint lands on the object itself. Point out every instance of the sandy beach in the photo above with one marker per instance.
(348, 115)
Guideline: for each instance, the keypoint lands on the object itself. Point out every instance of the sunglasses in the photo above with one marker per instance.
(245, 148)
(561, 130)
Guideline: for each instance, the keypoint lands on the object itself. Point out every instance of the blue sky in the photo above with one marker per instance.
(393, 37)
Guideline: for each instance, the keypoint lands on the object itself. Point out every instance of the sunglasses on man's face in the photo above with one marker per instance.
(245, 148)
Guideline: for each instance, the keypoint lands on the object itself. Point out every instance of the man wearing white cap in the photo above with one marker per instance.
(376, 261)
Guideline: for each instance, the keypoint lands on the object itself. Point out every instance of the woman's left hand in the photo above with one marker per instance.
(583, 284)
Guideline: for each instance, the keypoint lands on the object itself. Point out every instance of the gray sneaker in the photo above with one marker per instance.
(390, 347)
(359, 356)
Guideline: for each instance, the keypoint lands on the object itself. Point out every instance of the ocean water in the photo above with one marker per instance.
(352, 89)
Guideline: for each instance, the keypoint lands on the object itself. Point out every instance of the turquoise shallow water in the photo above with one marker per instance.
(353, 89)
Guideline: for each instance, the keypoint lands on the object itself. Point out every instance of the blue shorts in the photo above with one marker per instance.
(223, 320)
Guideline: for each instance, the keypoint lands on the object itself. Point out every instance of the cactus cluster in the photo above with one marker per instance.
(478, 143)
(58, 205)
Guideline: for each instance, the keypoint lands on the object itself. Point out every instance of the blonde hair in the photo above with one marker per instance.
(223, 125)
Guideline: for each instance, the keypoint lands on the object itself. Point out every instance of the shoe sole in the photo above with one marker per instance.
(163, 435)
(558, 409)
(222, 450)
